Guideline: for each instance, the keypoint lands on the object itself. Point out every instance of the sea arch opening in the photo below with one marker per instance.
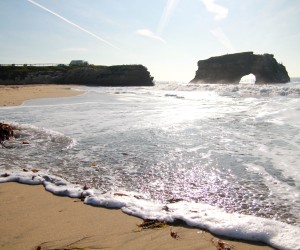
(248, 79)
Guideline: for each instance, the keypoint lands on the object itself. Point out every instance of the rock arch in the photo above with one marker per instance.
(231, 67)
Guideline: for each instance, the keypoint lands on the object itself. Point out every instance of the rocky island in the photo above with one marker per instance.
(231, 68)
(91, 75)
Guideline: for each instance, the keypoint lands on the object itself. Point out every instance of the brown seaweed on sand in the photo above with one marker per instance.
(174, 235)
(221, 245)
(120, 194)
(173, 200)
(152, 224)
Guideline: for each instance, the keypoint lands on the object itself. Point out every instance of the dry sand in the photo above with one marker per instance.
(32, 218)
(17, 94)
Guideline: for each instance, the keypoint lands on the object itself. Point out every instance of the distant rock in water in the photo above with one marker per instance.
(119, 75)
(232, 67)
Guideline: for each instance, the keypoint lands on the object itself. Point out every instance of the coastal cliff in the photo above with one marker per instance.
(230, 68)
(119, 75)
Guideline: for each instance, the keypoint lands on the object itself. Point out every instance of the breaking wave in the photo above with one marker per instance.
(241, 90)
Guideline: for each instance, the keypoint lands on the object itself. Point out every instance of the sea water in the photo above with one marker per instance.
(219, 157)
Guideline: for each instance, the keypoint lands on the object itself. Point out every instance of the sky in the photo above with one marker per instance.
(169, 37)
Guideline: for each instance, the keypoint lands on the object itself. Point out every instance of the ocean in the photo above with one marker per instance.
(219, 157)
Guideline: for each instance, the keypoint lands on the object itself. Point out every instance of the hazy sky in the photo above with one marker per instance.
(167, 36)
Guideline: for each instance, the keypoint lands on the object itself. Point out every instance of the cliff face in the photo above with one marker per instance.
(230, 68)
(120, 75)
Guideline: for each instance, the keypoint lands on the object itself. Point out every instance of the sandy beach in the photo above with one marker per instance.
(32, 218)
(17, 94)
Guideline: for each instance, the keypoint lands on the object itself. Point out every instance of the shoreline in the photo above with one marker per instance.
(56, 222)
(33, 218)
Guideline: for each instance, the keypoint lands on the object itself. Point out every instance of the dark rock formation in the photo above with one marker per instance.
(6, 132)
(230, 68)
(120, 75)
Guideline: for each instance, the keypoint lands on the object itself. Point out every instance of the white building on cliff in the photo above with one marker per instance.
(78, 63)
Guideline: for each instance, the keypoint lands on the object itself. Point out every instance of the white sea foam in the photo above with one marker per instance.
(274, 233)
(279, 188)
(33, 133)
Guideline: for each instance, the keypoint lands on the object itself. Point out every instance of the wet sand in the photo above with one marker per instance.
(32, 218)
